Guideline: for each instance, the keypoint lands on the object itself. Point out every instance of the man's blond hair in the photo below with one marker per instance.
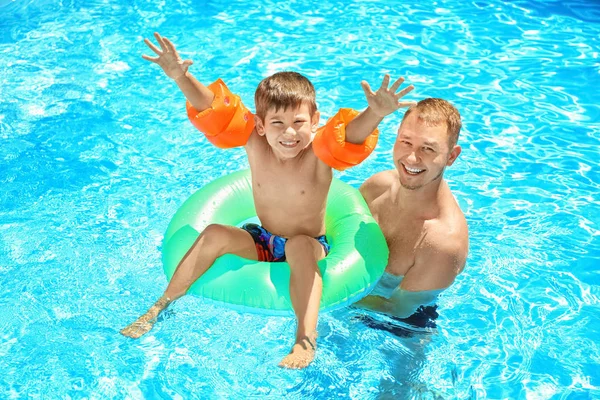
(434, 112)
(284, 90)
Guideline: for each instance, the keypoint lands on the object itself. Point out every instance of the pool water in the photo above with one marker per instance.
(96, 155)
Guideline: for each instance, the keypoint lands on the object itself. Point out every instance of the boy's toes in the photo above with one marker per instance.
(292, 362)
(136, 330)
(300, 356)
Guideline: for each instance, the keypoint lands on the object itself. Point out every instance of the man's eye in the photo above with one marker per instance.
(428, 149)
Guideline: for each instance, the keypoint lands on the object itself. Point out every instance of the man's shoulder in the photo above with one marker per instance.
(454, 223)
(438, 261)
(451, 225)
(383, 178)
(447, 241)
(377, 184)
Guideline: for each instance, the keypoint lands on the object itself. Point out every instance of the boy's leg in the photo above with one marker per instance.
(306, 286)
(212, 243)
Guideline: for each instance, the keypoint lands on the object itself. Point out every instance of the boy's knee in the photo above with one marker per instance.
(300, 245)
(214, 236)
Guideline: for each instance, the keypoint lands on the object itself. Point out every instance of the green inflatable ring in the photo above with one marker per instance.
(355, 263)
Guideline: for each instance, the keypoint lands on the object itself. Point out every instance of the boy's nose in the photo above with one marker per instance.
(290, 131)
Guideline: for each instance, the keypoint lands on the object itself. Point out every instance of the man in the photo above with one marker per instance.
(424, 227)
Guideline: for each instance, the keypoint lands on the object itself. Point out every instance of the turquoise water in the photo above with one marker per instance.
(96, 155)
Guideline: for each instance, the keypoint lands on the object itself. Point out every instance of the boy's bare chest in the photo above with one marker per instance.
(297, 185)
(294, 187)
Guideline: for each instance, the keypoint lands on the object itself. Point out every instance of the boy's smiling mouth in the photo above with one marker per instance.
(289, 143)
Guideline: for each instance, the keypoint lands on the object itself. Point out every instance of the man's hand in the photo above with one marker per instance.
(385, 100)
(168, 58)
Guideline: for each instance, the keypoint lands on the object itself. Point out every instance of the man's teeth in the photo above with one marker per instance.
(413, 170)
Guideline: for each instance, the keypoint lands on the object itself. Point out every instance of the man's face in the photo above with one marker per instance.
(421, 152)
(288, 131)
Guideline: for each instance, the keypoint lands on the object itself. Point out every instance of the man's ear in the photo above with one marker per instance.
(260, 127)
(314, 121)
(454, 155)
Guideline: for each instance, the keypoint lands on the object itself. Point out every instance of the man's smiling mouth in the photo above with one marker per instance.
(412, 171)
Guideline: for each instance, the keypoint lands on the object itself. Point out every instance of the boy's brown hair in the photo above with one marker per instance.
(434, 112)
(284, 90)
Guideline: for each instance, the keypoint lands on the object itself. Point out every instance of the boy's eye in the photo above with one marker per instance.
(299, 121)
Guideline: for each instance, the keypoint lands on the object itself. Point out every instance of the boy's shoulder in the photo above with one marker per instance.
(254, 139)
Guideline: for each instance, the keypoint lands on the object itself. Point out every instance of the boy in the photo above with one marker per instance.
(291, 176)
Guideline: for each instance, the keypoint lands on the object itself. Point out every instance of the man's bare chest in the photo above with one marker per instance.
(403, 235)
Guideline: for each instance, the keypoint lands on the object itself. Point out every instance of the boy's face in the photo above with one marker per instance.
(288, 131)
(422, 152)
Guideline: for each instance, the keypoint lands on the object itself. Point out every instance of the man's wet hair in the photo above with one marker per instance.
(435, 112)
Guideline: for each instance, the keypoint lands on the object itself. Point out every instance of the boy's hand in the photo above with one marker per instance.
(168, 58)
(385, 100)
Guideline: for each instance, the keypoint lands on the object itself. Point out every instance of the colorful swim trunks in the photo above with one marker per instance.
(270, 247)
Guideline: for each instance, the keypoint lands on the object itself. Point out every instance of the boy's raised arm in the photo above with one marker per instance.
(199, 96)
(349, 137)
(381, 103)
(214, 110)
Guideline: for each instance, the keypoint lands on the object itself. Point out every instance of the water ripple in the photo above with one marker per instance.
(96, 156)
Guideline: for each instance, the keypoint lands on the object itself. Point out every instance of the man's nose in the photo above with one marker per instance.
(412, 157)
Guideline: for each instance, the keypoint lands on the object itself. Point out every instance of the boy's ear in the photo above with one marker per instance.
(260, 127)
(314, 121)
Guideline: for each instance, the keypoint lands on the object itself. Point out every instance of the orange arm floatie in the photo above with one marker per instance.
(330, 142)
(227, 123)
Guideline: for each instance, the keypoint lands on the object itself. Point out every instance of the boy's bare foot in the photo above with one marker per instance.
(139, 327)
(302, 353)
(145, 323)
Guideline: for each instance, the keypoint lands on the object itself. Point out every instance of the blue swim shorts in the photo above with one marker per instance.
(270, 247)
